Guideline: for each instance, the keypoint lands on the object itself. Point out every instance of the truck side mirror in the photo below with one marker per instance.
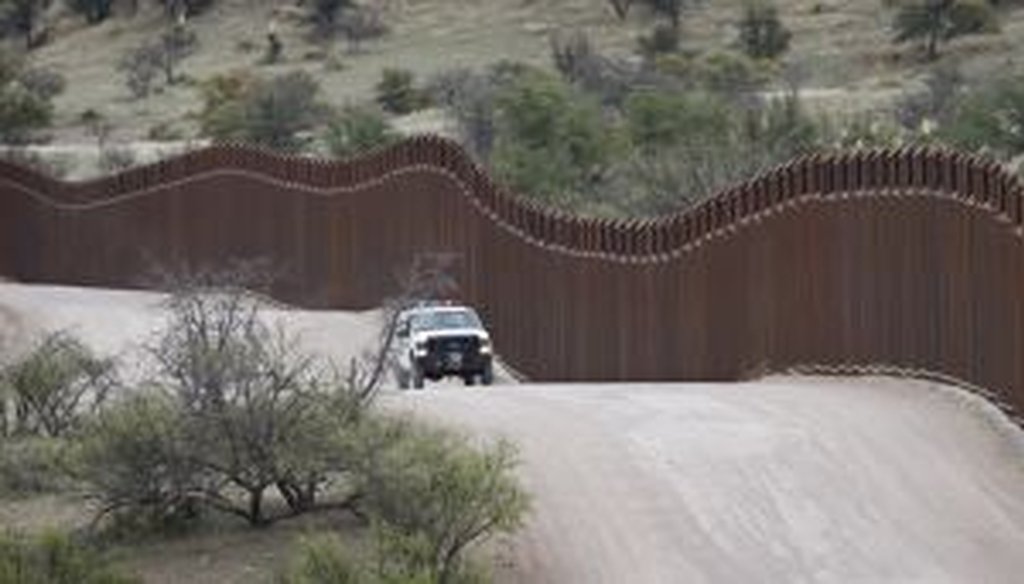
(403, 329)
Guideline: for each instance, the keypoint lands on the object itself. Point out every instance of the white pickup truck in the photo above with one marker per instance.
(442, 340)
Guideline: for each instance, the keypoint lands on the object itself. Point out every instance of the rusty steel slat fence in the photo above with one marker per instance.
(907, 260)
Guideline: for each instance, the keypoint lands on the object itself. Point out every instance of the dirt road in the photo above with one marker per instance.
(780, 480)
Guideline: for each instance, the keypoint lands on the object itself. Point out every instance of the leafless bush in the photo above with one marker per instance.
(143, 64)
(140, 67)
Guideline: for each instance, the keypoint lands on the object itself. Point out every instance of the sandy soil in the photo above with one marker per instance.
(780, 480)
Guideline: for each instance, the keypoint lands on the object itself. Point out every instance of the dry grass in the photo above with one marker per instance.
(224, 550)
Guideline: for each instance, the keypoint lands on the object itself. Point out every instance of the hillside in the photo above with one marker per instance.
(840, 51)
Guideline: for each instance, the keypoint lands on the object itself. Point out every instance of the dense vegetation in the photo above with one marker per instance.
(230, 418)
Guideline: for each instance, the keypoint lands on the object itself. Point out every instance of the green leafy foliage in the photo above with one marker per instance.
(397, 92)
(551, 141)
(661, 119)
(277, 113)
(54, 386)
(25, 98)
(133, 456)
(991, 119)
(357, 129)
(434, 495)
(33, 465)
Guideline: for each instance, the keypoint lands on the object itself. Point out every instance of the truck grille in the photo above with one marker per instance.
(454, 344)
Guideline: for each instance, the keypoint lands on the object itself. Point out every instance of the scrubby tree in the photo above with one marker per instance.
(141, 65)
(22, 17)
(932, 22)
(26, 95)
(469, 97)
(173, 46)
(434, 495)
(54, 385)
(134, 458)
(663, 39)
(277, 113)
(362, 23)
(325, 15)
(550, 140)
(257, 412)
(94, 11)
(670, 9)
(762, 35)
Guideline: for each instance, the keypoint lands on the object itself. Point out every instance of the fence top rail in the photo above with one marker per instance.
(892, 172)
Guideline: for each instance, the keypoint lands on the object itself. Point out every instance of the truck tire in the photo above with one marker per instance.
(417, 377)
(487, 377)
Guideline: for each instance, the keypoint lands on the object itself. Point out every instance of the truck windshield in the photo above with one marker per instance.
(445, 319)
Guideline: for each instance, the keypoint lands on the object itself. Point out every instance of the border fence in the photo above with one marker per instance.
(909, 260)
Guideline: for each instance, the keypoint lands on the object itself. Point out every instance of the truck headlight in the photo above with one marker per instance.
(485, 346)
(420, 349)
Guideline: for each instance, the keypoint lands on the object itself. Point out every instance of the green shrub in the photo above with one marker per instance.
(357, 129)
(54, 386)
(33, 465)
(397, 93)
(326, 14)
(23, 17)
(730, 72)
(550, 140)
(658, 119)
(990, 119)
(54, 559)
(26, 96)
(662, 39)
(762, 33)
(435, 495)
(134, 461)
(931, 22)
(278, 113)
